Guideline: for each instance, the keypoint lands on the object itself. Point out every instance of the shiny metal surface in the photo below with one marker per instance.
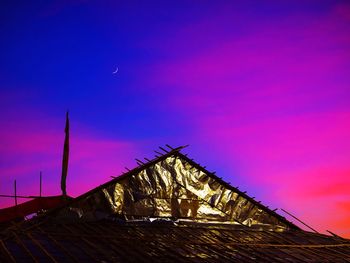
(171, 188)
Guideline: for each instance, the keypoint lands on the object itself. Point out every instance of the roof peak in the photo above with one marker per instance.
(175, 186)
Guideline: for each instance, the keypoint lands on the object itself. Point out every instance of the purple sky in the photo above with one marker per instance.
(260, 91)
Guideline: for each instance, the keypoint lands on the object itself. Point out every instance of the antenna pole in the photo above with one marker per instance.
(15, 185)
(40, 183)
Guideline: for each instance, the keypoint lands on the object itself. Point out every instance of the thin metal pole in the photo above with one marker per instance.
(335, 235)
(299, 220)
(15, 193)
(20, 196)
(40, 183)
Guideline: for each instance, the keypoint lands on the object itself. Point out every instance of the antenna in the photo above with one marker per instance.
(65, 157)
(15, 186)
(40, 184)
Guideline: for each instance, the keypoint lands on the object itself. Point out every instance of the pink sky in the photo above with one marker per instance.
(260, 91)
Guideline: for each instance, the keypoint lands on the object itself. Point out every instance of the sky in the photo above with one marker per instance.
(260, 90)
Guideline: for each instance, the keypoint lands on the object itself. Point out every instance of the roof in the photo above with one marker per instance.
(172, 185)
(108, 241)
(32, 206)
(167, 209)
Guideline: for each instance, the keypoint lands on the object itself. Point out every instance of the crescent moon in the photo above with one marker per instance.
(115, 71)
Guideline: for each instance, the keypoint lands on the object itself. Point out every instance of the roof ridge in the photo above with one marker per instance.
(135, 170)
(174, 152)
(138, 168)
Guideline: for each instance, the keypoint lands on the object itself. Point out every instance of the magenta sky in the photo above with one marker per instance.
(260, 91)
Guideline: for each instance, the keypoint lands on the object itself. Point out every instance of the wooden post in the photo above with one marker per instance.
(65, 158)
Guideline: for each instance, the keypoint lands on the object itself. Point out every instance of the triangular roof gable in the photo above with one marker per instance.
(172, 186)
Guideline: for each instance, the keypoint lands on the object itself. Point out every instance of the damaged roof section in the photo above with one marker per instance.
(174, 187)
(169, 209)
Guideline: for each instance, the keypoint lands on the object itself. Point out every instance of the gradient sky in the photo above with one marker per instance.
(259, 89)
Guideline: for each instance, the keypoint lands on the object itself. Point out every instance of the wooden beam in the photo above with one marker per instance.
(163, 149)
(29, 253)
(167, 145)
(86, 251)
(7, 252)
(299, 221)
(61, 247)
(37, 243)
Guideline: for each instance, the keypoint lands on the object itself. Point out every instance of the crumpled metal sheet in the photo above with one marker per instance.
(171, 188)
